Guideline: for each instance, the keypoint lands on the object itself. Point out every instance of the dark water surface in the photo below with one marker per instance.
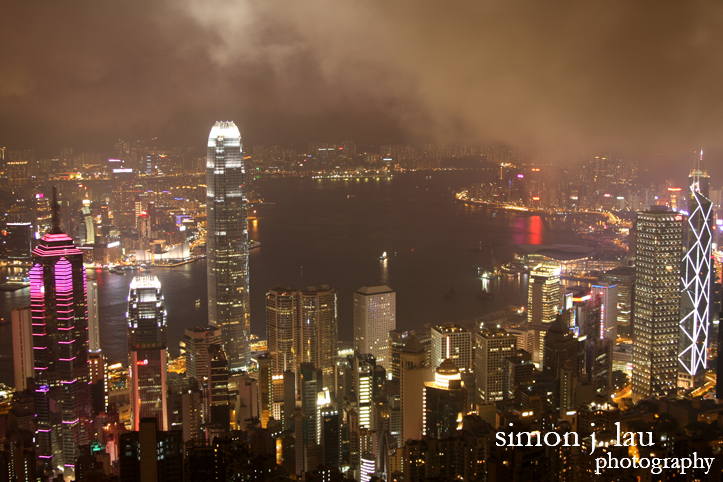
(333, 232)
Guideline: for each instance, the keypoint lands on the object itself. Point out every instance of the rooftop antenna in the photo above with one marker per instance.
(55, 208)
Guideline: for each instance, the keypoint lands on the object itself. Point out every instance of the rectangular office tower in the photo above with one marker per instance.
(227, 242)
(657, 303)
(302, 328)
(375, 309)
(60, 341)
(147, 343)
(454, 342)
(696, 290)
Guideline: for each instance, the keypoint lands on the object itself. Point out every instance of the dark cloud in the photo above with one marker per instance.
(641, 77)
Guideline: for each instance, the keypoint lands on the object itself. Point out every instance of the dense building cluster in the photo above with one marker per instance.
(630, 345)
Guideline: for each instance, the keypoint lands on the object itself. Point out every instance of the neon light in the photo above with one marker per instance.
(696, 286)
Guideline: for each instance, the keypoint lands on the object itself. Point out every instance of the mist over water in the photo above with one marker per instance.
(333, 232)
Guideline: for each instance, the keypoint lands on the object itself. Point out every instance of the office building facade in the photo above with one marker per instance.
(659, 249)
(227, 242)
(695, 316)
(60, 340)
(374, 317)
(147, 343)
(454, 342)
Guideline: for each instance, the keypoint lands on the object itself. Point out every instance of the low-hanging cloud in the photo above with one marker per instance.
(640, 77)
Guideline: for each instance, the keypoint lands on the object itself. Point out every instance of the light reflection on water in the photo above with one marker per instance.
(337, 230)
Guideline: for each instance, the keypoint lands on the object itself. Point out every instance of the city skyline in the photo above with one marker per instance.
(316, 84)
(366, 242)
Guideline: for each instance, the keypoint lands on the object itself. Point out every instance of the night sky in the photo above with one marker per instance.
(635, 77)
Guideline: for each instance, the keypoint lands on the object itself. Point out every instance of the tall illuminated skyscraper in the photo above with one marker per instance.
(227, 242)
(657, 303)
(543, 305)
(375, 311)
(696, 290)
(60, 341)
(147, 343)
(281, 318)
(302, 328)
(319, 338)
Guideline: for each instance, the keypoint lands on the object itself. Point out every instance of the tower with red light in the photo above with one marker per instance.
(147, 343)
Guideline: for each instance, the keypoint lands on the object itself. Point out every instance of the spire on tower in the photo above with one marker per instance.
(55, 208)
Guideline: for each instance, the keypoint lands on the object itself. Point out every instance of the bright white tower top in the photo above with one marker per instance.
(222, 129)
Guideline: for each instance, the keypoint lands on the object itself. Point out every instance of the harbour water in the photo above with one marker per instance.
(333, 232)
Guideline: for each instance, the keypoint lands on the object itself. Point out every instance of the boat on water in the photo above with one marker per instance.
(254, 244)
(198, 301)
(383, 256)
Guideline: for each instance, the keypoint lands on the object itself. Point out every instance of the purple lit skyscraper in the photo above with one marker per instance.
(60, 348)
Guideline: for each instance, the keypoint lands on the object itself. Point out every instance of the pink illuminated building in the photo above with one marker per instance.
(60, 348)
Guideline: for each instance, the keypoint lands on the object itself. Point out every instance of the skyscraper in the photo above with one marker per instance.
(657, 303)
(454, 342)
(147, 343)
(375, 311)
(23, 360)
(445, 402)
(302, 328)
(543, 305)
(319, 334)
(123, 201)
(493, 346)
(60, 342)
(197, 341)
(608, 297)
(281, 316)
(696, 288)
(227, 242)
(93, 321)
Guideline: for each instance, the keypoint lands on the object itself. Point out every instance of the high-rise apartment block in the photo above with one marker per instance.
(657, 303)
(227, 242)
(147, 343)
(374, 317)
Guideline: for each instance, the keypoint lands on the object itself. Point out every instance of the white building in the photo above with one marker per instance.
(375, 315)
(453, 342)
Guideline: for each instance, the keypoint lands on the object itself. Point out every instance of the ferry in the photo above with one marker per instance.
(254, 244)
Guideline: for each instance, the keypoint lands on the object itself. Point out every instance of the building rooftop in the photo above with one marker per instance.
(375, 290)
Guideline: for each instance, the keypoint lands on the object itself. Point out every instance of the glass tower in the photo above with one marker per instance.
(147, 343)
(59, 319)
(227, 242)
(657, 303)
(696, 289)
